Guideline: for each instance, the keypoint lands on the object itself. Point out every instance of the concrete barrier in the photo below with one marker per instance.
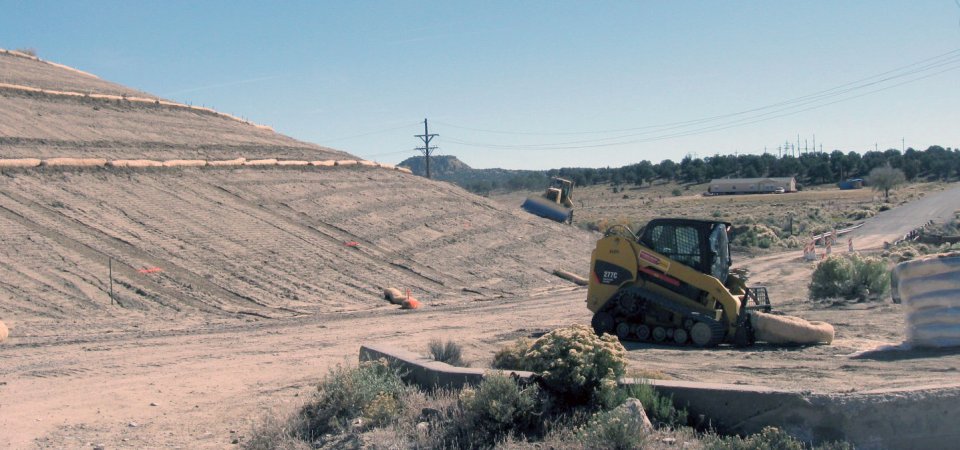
(920, 418)
(427, 373)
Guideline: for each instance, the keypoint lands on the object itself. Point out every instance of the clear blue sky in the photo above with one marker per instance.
(531, 84)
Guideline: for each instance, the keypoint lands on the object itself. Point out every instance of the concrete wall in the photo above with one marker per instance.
(920, 418)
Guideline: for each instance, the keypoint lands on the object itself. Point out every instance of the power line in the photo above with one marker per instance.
(786, 108)
(950, 57)
(406, 125)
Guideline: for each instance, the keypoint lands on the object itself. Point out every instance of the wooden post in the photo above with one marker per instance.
(110, 266)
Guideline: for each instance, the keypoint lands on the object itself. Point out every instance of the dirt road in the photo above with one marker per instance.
(888, 226)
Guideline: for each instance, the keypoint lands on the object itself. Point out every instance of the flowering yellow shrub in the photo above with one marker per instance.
(574, 362)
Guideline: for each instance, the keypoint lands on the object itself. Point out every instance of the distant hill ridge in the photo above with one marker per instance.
(450, 168)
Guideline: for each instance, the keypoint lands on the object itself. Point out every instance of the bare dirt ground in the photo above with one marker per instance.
(268, 277)
(196, 381)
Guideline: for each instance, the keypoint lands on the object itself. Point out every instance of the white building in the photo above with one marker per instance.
(752, 185)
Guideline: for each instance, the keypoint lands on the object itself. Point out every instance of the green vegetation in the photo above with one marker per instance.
(934, 163)
(770, 438)
(369, 406)
(850, 276)
(885, 178)
(371, 390)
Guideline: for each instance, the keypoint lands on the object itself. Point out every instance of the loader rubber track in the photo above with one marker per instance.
(646, 299)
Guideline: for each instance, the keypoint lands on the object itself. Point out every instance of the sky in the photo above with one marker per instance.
(532, 84)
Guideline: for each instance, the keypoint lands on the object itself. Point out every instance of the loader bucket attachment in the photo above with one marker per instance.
(545, 208)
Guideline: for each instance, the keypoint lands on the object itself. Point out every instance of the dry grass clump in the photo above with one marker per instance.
(756, 235)
(908, 251)
(447, 352)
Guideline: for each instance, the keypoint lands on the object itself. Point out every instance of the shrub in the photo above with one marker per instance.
(447, 352)
(660, 409)
(615, 430)
(371, 389)
(850, 277)
(574, 361)
(676, 192)
(511, 356)
(497, 407)
(768, 438)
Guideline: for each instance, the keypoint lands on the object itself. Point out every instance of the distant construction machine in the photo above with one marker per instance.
(672, 284)
(555, 204)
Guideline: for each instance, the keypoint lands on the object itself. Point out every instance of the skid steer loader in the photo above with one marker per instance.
(672, 284)
(556, 203)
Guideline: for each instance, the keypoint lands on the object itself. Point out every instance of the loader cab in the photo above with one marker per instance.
(700, 244)
(560, 191)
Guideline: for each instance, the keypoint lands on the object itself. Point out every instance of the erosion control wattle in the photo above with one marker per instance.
(929, 288)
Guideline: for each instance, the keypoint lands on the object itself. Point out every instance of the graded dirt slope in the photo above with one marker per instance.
(257, 241)
(267, 242)
(53, 124)
(23, 70)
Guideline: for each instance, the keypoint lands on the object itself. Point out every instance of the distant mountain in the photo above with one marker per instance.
(442, 167)
(449, 168)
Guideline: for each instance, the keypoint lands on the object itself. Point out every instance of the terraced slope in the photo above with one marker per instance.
(48, 124)
(253, 241)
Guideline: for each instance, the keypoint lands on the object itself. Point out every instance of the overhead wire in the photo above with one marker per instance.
(407, 125)
(753, 115)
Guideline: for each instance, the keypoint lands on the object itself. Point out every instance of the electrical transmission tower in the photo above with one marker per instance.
(426, 137)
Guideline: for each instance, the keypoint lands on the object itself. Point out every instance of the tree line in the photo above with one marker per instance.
(811, 168)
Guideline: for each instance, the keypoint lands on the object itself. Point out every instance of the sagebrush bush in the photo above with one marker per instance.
(573, 361)
(498, 406)
(346, 393)
(850, 276)
(511, 356)
(660, 409)
(447, 352)
(614, 430)
(768, 438)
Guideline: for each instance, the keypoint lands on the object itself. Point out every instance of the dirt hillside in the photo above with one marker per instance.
(268, 242)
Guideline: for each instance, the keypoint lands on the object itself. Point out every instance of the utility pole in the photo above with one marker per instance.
(426, 137)
(903, 145)
(815, 142)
